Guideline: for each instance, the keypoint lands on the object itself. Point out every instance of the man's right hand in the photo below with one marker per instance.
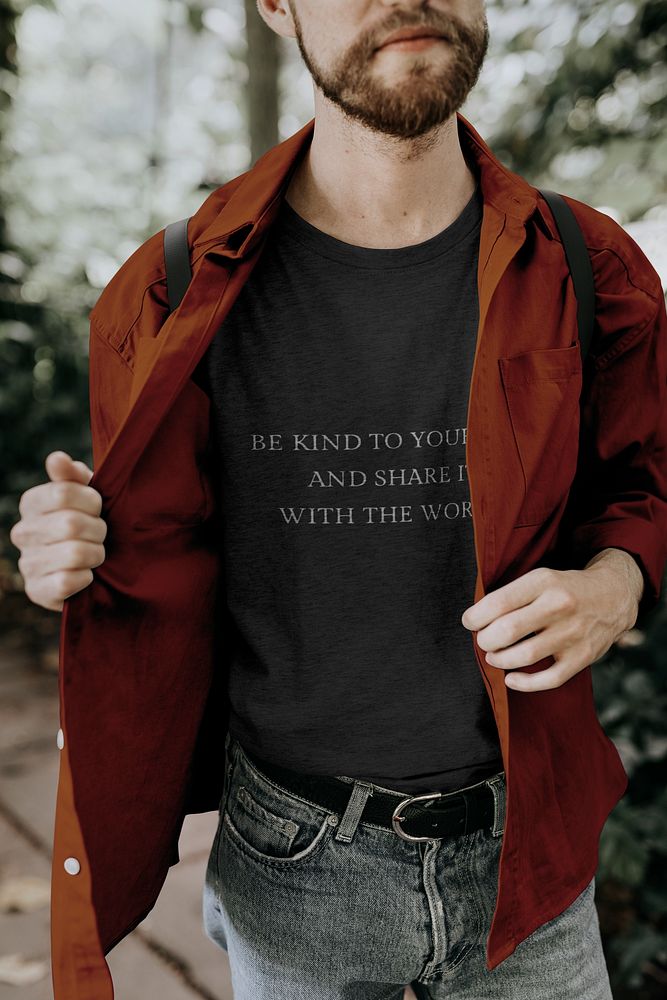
(60, 533)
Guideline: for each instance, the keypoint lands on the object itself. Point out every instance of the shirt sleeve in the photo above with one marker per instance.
(620, 491)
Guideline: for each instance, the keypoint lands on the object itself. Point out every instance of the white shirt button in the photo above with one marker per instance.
(72, 866)
(60, 739)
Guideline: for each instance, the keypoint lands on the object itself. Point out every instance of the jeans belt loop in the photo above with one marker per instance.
(355, 806)
(228, 763)
(499, 796)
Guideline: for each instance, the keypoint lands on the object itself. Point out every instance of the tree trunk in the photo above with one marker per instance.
(263, 60)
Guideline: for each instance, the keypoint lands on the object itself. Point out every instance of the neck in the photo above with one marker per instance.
(377, 191)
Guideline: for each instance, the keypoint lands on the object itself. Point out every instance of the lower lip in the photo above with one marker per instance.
(413, 44)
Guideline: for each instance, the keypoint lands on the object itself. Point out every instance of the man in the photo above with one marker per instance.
(379, 311)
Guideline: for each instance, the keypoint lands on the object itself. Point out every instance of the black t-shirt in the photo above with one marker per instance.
(340, 381)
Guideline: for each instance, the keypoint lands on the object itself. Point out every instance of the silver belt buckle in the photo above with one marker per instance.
(396, 817)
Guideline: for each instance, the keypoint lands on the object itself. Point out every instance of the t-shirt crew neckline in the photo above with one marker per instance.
(294, 225)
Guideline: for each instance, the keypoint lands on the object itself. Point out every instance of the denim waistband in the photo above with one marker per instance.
(361, 791)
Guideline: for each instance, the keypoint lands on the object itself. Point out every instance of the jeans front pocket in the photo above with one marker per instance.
(268, 823)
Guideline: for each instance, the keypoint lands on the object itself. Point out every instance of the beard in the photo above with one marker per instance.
(429, 91)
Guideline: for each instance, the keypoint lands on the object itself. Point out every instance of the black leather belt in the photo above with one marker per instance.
(427, 816)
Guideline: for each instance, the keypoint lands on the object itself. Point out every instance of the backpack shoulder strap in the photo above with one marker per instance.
(579, 263)
(177, 261)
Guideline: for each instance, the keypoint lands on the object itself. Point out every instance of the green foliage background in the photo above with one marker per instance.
(118, 118)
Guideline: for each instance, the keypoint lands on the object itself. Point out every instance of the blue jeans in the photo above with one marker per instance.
(304, 915)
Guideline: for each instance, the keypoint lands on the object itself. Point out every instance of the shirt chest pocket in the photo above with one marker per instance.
(542, 390)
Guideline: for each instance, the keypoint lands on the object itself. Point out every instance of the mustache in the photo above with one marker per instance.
(445, 25)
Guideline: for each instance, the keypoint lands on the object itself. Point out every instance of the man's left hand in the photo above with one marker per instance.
(573, 615)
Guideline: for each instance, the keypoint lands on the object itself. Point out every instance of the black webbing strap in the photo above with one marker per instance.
(179, 273)
(579, 263)
(177, 261)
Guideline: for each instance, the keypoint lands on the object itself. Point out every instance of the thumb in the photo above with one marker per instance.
(59, 465)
